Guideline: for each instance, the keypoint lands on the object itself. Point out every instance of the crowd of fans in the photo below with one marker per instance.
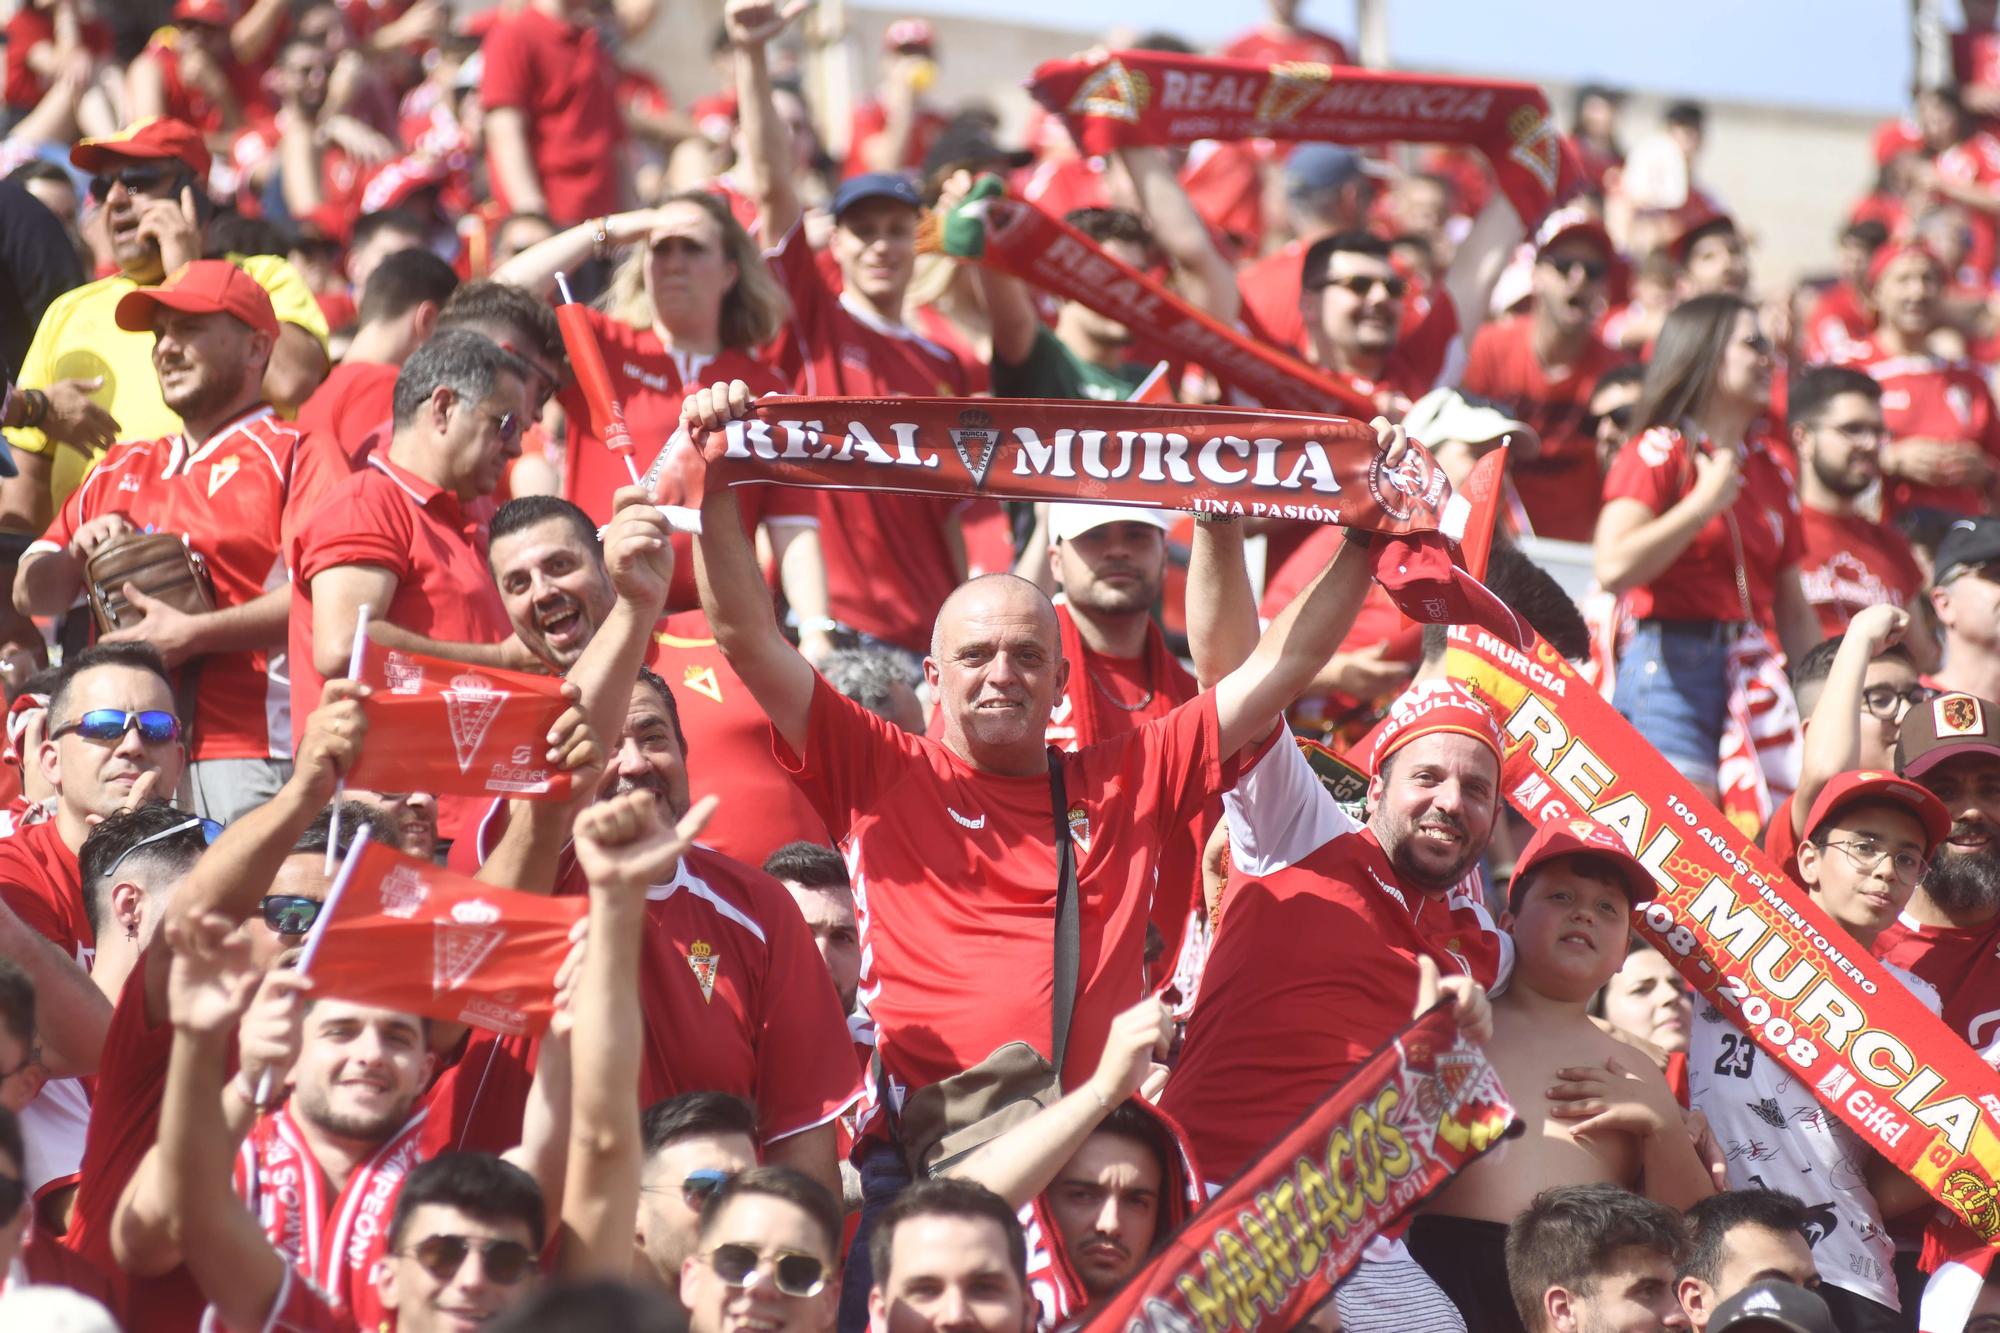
(277, 285)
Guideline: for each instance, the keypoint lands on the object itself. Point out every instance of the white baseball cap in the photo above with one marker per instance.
(1073, 520)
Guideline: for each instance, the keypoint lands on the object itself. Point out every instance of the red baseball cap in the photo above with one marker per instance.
(1886, 789)
(1564, 223)
(153, 137)
(1890, 252)
(221, 13)
(1435, 706)
(1579, 837)
(1702, 222)
(1420, 577)
(204, 287)
(906, 34)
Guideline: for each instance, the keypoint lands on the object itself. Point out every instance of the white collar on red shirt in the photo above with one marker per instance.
(869, 319)
(182, 457)
(688, 365)
(700, 888)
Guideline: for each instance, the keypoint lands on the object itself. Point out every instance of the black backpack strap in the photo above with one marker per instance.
(1069, 921)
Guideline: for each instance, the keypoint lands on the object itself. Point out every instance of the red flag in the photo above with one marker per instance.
(1482, 491)
(451, 729)
(408, 935)
(586, 358)
(1154, 388)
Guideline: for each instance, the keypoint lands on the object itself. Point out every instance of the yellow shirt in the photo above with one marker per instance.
(78, 338)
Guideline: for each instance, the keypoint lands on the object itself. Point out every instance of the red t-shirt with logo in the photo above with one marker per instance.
(888, 564)
(226, 497)
(1314, 963)
(729, 744)
(1931, 397)
(949, 862)
(565, 85)
(1657, 469)
(1851, 562)
(40, 881)
(1559, 485)
(1964, 965)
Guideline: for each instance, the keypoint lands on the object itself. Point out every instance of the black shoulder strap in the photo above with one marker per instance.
(1069, 920)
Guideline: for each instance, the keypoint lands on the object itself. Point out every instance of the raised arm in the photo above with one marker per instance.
(1482, 257)
(733, 593)
(624, 846)
(1022, 1162)
(802, 576)
(71, 1013)
(1221, 610)
(513, 160)
(767, 150)
(535, 268)
(1833, 733)
(1208, 280)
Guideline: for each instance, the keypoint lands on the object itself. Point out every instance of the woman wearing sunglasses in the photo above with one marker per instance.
(1699, 534)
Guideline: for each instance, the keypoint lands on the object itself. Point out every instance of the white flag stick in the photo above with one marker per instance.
(340, 786)
(304, 965)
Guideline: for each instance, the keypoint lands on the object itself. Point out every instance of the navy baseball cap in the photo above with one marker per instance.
(875, 185)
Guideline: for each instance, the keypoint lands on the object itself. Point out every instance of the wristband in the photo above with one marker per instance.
(600, 236)
(818, 625)
(38, 408)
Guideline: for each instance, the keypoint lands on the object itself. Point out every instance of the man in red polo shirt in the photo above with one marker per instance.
(554, 134)
(1541, 367)
(850, 340)
(1851, 560)
(113, 742)
(220, 483)
(1944, 431)
(952, 841)
(400, 307)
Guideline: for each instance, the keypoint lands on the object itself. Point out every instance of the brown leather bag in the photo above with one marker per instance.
(159, 564)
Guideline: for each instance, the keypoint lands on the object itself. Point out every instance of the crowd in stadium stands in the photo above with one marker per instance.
(285, 385)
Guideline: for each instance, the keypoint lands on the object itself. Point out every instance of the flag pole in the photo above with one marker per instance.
(340, 785)
(304, 964)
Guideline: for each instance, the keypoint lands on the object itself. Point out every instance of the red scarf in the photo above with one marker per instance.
(336, 1243)
(1269, 1248)
(1163, 676)
(1206, 459)
(1156, 97)
(1015, 237)
(1747, 938)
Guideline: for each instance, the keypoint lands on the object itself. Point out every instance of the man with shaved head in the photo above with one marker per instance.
(952, 841)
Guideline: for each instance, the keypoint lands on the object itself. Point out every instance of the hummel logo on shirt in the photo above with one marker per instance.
(978, 823)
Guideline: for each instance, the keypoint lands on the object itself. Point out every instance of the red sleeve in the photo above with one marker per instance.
(31, 902)
(1181, 753)
(1648, 469)
(350, 530)
(806, 1073)
(796, 268)
(849, 752)
(508, 76)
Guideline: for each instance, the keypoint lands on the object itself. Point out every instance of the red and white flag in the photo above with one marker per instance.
(451, 729)
(408, 935)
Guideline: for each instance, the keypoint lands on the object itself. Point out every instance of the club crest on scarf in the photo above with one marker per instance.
(704, 963)
(975, 431)
(1293, 86)
(1114, 91)
(471, 704)
(1412, 481)
(1537, 148)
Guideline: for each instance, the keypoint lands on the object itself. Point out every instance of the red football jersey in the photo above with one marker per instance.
(1657, 468)
(564, 84)
(124, 1122)
(226, 497)
(356, 399)
(834, 348)
(1851, 562)
(1270, 291)
(1835, 326)
(1559, 485)
(1975, 162)
(948, 862)
(40, 881)
(1314, 963)
(1281, 45)
(729, 744)
(1964, 965)
(1937, 399)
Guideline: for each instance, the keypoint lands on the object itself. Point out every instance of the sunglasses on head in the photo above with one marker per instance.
(793, 1272)
(210, 831)
(289, 914)
(1363, 285)
(504, 1261)
(136, 180)
(107, 726)
(1593, 270)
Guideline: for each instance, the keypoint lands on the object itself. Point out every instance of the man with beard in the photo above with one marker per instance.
(1965, 594)
(1944, 431)
(220, 483)
(1948, 932)
(1542, 367)
(1851, 560)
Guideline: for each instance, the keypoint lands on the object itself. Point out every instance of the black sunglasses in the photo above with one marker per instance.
(1621, 417)
(1594, 270)
(138, 180)
(1362, 285)
(107, 726)
(210, 831)
(793, 1272)
(289, 914)
(13, 1193)
(505, 1261)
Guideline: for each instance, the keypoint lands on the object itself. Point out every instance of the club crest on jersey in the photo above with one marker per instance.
(457, 951)
(470, 706)
(1079, 828)
(403, 892)
(701, 679)
(224, 469)
(1958, 715)
(703, 962)
(975, 432)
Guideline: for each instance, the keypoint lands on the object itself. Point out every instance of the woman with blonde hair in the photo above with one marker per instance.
(691, 303)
